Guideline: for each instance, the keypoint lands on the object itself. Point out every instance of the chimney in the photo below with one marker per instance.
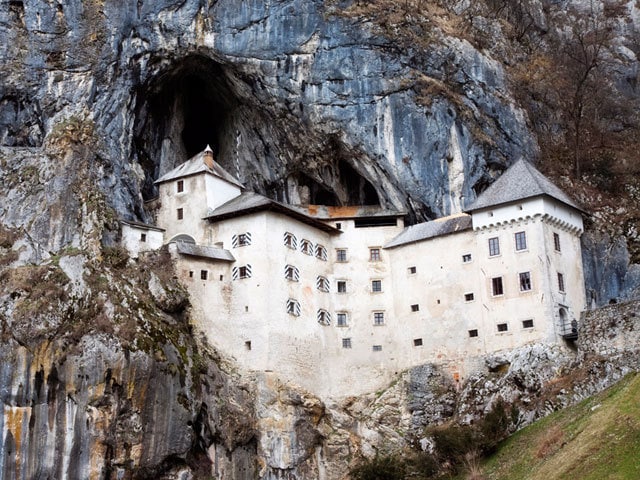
(208, 157)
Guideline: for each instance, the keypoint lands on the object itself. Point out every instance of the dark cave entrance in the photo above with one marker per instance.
(179, 113)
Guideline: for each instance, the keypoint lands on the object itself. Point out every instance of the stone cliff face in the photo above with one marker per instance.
(100, 373)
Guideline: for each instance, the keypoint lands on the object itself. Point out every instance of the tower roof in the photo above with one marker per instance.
(520, 181)
(195, 165)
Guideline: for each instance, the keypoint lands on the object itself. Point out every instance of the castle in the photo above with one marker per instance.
(340, 299)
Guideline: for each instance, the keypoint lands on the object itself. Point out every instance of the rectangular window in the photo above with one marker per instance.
(339, 226)
(190, 273)
(321, 253)
(180, 214)
(496, 286)
(143, 237)
(417, 342)
(527, 323)
(521, 240)
(290, 240)
(247, 345)
(377, 348)
(180, 186)
(322, 284)
(466, 258)
(244, 239)
(415, 307)
(243, 272)
(468, 297)
(376, 286)
(374, 254)
(556, 242)
(412, 270)
(494, 246)
(473, 333)
(346, 343)
(560, 282)
(341, 255)
(204, 274)
(378, 318)
(341, 319)
(342, 286)
(306, 247)
(324, 317)
(293, 307)
(502, 327)
(291, 273)
(525, 281)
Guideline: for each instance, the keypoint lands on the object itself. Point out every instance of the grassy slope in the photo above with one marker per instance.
(597, 439)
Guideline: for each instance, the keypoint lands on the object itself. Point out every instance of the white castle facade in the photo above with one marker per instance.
(340, 299)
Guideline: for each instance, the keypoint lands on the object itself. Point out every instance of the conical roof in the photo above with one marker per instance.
(521, 180)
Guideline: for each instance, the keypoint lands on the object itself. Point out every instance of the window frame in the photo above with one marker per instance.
(343, 315)
(520, 241)
(346, 342)
(204, 274)
(469, 297)
(415, 307)
(494, 285)
(412, 270)
(339, 284)
(291, 273)
(376, 348)
(378, 318)
(556, 242)
(524, 280)
(417, 342)
(143, 237)
(473, 333)
(180, 186)
(323, 284)
(290, 241)
(494, 246)
(321, 252)
(376, 286)
(530, 327)
(341, 255)
(180, 213)
(306, 247)
(324, 317)
(375, 254)
(293, 307)
(467, 258)
(561, 283)
(502, 327)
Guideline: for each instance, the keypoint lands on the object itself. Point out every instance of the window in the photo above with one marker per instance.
(221, 277)
(417, 342)
(346, 343)
(496, 286)
(341, 255)
(377, 348)
(241, 272)
(527, 323)
(376, 286)
(291, 273)
(556, 242)
(290, 240)
(521, 240)
(190, 273)
(502, 327)
(468, 297)
(466, 258)
(341, 319)
(204, 274)
(342, 286)
(412, 270)
(473, 333)
(293, 307)
(374, 255)
(322, 284)
(525, 281)
(241, 240)
(324, 317)
(247, 345)
(560, 282)
(143, 237)
(321, 253)
(306, 247)
(494, 246)
(180, 186)
(415, 307)
(378, 318)
(180, 214)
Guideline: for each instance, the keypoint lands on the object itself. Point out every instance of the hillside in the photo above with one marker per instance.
(594, 440)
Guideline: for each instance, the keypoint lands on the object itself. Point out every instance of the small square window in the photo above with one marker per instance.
(502, 327)
(466, 258)
(378, 318)
(415, 307)
(341, 255)
(376, 286)
(417, 342)
(341, 319)
(496, 286)
(293, 307)
(143, 237)
(412, 270)
(191, 274)
(346, 343)
(342, 286)
(243, 272)
(339, 226)
(322, 283)
(468, 297)
(180, 186)
(374, 254)
(377, 348)
(180, 214)
(473, 333)
(306, 247)
(527, 323)
(525, 281)
(247, 345)
(290, 240)
(494, 246)
(521, 241)
(244, 239)
(556, 242)
(204, 274)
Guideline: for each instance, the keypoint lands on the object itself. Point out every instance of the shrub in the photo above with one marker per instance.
(386, 467)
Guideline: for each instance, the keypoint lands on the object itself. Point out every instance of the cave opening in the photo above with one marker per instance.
(179, 112)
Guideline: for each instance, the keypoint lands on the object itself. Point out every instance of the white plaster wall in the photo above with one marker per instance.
(131, 239)
(493, 216)
(567, 216)
(219, 191)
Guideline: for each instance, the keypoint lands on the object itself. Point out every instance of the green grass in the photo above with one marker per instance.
(594, 440)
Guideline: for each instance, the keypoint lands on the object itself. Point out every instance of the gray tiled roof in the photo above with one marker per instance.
(434, 228)
(203, 251)
(196, 165)
(141, 225)
(249, 202)
(521, 180)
